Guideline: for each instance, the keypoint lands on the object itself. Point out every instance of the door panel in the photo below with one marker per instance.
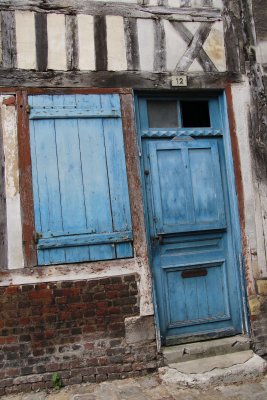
(194, 287)
(193, 263)
(187, 187)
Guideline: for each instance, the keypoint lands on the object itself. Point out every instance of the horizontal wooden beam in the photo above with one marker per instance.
(84, 240)
(68, 112)
(14, 79)
(103, 8)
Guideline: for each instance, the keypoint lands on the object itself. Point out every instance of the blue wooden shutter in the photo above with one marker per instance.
(80, 187)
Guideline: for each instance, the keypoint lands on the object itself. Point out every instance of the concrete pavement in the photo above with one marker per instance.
(150, 388)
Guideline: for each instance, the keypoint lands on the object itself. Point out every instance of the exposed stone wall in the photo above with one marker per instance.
(86, 331)
(259, 319)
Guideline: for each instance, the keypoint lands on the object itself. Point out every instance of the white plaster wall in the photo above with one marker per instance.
(56, 42)
(217, 4)
(261, 51)
(116, 44)
(196, 3)
(25, 36)
(214, 46)
(10, 143)
(145, 31)
(86, 42)
(174, 3)
(241, 106)
(175, 46)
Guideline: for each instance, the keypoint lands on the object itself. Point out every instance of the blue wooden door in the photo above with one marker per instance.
(194, 266)
(80, 188)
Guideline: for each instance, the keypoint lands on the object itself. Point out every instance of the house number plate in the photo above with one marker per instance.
(179, 80)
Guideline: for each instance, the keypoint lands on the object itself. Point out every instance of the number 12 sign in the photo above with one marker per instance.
(179, 80)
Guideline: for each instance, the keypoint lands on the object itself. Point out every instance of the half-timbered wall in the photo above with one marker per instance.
(129, 44)
(87, 42)
(61, 45)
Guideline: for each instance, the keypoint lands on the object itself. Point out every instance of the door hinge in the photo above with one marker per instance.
(28, 108)
(157, 240)
(37, 236)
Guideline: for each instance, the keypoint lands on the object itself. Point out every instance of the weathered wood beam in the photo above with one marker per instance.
(72, 42)
(160, 47)
(132, 47)
(8, 34)
(194, 48)
(202, 57)
(99, 8)
(3, 216)
(102, 79)
(41, 41)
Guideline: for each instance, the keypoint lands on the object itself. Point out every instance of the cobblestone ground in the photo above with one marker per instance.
(149, 388)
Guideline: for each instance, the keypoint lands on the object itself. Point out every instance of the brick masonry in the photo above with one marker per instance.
(74, 328)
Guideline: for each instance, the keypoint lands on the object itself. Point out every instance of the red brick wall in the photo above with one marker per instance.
(74, 328)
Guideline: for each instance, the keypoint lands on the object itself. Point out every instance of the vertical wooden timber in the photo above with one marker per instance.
(41, 41)
(9, 52)
(3, 216)
(72, 42)
(237, 168)
(132, 49)
(133, 173)
(100, 35)
(235, 155)
(233, 36)
(160, 46)
(26, 194)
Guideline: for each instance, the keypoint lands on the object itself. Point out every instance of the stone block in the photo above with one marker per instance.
(254, 305)
(139, 329)
(262, 286)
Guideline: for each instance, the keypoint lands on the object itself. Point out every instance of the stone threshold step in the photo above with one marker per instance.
(218, 370)
(209, 348)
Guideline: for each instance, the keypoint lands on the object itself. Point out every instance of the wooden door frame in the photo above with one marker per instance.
(236, 191)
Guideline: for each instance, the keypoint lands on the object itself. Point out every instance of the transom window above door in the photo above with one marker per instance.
(179, 115)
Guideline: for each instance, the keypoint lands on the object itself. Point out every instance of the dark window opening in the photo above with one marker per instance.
(195, 114)
(162, 114)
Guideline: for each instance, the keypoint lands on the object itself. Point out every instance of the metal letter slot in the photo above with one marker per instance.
(192, 273)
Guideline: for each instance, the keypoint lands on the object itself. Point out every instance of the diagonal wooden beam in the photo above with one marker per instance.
(202, 57)
(194, 48)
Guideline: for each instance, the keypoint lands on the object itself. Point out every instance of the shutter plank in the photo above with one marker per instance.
(47, 201)
(96, 189)
(116, 165)
(70, 177)
(73, 254)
